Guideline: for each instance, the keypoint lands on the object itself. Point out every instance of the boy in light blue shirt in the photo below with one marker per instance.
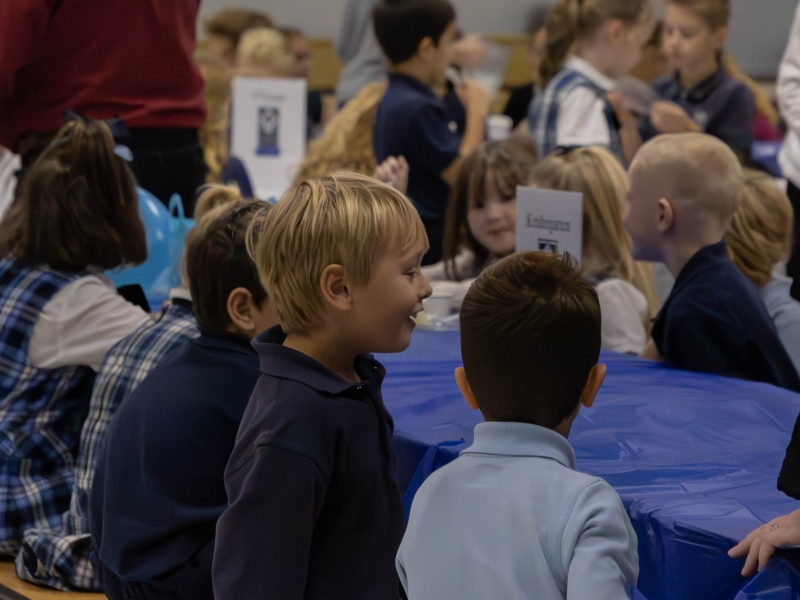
(511, 518)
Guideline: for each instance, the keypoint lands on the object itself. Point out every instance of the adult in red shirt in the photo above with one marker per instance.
(104, 59)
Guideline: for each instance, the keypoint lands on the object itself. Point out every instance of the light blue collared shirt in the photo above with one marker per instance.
(511, 518)
(785, 313)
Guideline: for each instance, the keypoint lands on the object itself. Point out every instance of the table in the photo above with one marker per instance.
(694, 458)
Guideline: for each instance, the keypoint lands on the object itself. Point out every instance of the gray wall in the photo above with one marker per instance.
(759, 29)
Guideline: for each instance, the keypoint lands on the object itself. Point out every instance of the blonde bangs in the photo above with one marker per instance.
(342, 219)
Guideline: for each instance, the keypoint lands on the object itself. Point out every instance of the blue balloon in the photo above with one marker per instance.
(155, 217)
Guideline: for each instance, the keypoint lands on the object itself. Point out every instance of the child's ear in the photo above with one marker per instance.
(240, 303)
(666, 215)
(333, 286)
(615, 30)
(466, 391)
(426, 44)
(596, 378)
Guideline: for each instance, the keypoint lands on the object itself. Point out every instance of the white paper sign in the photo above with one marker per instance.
(268, 130)
(550, 220)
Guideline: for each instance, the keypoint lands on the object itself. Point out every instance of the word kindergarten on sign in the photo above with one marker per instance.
(550, 220)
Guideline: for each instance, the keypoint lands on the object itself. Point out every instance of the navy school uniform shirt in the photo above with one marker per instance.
(315, 509)
(159, 487)
(715, 321)
(414, 122)
(720, 105)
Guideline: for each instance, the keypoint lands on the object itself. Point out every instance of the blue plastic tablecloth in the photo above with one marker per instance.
(694, 457)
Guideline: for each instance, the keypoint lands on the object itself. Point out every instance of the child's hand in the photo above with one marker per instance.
(624, 116)
(393, 171)
(477, 100)
(760, 545)
(469, 51)
(668, 117)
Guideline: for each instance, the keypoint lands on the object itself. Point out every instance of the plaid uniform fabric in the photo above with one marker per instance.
(41, 410)
(58, 556)
(544, 111)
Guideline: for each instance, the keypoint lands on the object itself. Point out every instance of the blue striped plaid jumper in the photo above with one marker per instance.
(41, 410)
(546, 106)
(59, 556)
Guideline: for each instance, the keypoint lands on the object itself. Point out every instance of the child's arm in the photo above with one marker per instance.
(599, 547)
(476, 100)
(264, 537)
(668, 117)
(629, 135)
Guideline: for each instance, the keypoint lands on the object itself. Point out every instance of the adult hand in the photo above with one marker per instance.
(477, 100)
(393, 171)
(469, 51)
(760, 545)
(668, 117)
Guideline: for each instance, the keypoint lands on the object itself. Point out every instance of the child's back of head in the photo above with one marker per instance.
(400, 25)
(218, 261)
(263, 52)
(78, 207)
(760, 234)
(530, 336)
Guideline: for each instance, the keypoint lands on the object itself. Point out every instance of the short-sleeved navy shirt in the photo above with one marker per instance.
(413, 122)
(720, 105)
(715, 321)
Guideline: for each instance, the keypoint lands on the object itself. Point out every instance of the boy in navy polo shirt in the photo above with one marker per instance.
(701, 96)
(412, 121)
(684, 191)
(315, 510)
(159, 488)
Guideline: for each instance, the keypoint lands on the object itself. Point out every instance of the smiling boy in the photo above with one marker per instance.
(315, 509)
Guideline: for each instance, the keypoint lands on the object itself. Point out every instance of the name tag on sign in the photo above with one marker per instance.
(550, 221)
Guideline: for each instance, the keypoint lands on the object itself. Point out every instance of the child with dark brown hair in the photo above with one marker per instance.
(76, 217)
(158, 488)
(526, 524)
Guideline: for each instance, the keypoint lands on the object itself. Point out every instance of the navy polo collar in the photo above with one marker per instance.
(699, 92)
(286, 363)
(223, 340)
(413, 83)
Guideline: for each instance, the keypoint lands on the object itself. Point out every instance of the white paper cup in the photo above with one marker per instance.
(498, 127)
(437, 308)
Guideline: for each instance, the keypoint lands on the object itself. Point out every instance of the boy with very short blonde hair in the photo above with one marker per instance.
(315, 509)
(685, 188)
(511, 518)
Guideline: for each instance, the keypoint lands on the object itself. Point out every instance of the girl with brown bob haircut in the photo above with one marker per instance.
(78, 206)
(76, 217)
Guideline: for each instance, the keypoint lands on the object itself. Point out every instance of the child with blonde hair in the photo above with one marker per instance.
(625, 287)
(685, 189)
(759, 240)
(264, 52)
(590, 44)
(702, 96)
(314, 505)
(346, 143)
